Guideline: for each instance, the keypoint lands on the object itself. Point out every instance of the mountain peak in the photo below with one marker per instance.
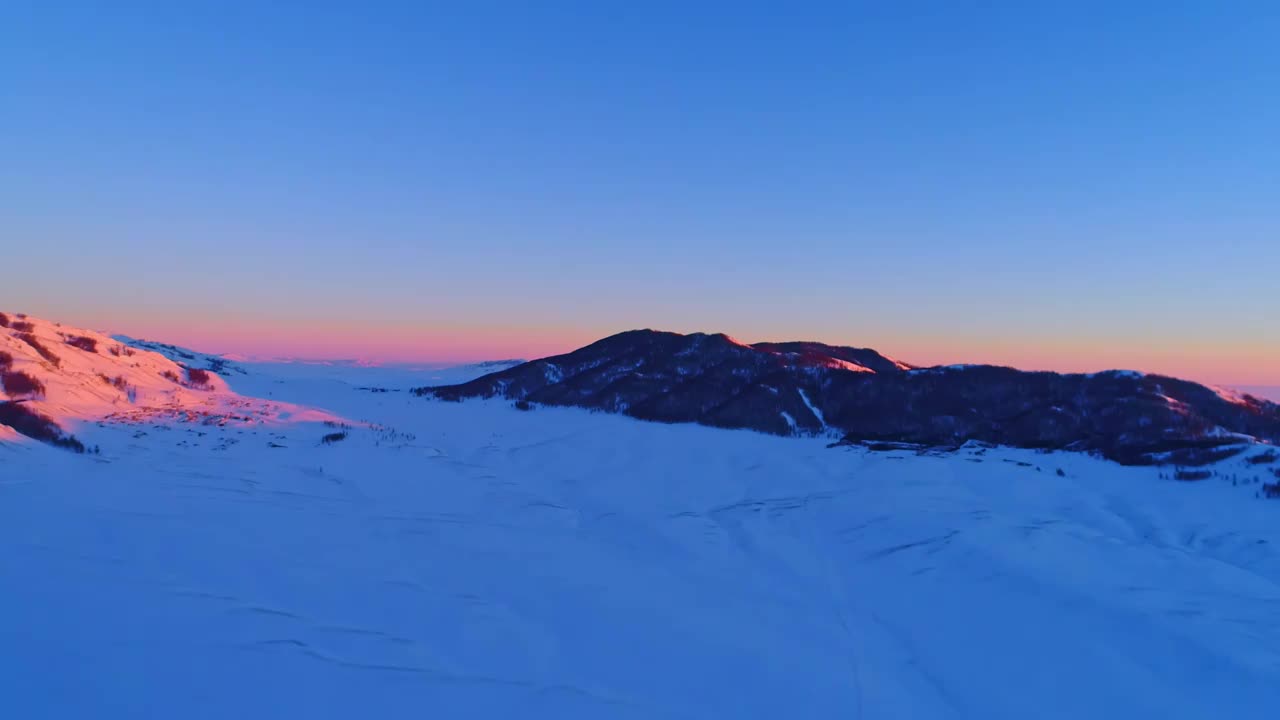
(859, 394)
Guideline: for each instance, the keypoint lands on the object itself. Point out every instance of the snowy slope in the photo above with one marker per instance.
(88, 378)
(214, 363)
(471, 560)
(311, 540)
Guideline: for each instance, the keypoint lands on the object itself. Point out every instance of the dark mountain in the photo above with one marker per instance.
(809, 388)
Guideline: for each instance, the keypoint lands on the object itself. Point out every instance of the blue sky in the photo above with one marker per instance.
(1073, 186)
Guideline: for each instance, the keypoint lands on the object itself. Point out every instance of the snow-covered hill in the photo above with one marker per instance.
(805, 388)
(79, 379)
(418, 558)
(219, 364)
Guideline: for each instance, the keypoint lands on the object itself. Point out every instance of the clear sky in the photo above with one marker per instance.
(1053, 185)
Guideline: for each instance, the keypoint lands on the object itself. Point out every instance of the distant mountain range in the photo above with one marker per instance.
(53, 378)
(862, 396)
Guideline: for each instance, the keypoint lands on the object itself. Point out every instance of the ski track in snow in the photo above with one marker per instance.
(804, 397)
(470, 560)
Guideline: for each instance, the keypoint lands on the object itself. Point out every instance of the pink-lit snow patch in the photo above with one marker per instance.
(899, 364)
(839, 364)
(89, 377)
(1234, 397)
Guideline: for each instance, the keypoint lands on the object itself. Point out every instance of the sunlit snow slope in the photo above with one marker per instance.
(472, 560)
(83, 378)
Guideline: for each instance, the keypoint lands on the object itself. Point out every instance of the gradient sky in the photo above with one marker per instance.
(1070, 186)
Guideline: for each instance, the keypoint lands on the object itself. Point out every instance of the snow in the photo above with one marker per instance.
(78, 391)
(899, 364)
(1131, 374)
(838, 364)
(553, 373)
(812, 408)
(941, 368)
(472, 560)
(790, 421)
(1234, 397)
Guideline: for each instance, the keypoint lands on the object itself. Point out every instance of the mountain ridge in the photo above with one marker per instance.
(861, 395)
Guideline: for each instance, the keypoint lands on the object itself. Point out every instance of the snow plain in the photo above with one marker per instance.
(472, 560)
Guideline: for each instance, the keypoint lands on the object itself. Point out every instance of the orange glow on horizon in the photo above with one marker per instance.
(373, 340)
(366, 342)
(1220, 363)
